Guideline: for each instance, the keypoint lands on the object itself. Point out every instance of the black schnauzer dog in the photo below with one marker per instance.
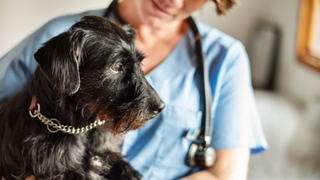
(90, 80)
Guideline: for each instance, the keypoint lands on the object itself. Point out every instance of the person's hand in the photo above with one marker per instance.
(32, 177)
(28, 178)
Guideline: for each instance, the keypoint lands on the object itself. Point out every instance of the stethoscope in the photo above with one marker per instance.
(200, 153)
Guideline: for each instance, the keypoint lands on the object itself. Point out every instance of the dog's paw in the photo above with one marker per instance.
(130, 174)
(136, 175)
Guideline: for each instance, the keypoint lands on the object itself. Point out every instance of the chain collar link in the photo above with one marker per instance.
(53, 125)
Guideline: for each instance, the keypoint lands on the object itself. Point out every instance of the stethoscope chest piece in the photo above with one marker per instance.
(199, 156)
(210, 156)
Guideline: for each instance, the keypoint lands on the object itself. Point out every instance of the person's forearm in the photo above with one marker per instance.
(205, 174)
(230, 164)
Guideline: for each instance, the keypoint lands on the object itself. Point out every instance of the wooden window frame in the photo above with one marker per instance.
(309, 17)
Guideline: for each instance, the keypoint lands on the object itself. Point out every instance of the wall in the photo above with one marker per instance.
(19, 18)
(296, 80)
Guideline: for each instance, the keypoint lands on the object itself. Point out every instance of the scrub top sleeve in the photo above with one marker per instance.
(18, 65)
(235, 118)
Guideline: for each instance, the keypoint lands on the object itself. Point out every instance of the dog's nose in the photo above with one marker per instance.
(158, 107)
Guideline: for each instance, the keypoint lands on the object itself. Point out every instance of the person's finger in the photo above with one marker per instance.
(31, 177)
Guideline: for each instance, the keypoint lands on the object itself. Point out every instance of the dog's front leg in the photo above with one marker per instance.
(117, 168)
(124, 171)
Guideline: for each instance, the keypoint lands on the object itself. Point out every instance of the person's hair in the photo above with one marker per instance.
(222, 6)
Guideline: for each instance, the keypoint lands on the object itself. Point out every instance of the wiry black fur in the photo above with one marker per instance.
(74, 83)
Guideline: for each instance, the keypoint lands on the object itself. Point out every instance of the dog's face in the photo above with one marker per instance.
(97, 66)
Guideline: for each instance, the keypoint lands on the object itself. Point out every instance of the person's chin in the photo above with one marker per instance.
(150, 17)
(154, 22)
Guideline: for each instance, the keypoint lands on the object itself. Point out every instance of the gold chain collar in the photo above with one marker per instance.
(55, 124)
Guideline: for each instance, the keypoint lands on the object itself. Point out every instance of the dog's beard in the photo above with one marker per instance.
(123, 120)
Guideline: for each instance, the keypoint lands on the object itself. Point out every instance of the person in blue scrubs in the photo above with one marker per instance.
(159, 149)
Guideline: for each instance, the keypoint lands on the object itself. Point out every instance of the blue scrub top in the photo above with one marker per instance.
(158, 150)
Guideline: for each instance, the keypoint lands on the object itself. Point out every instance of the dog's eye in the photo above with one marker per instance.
(116, 68)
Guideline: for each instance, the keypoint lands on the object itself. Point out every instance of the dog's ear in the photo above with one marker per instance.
(130, 31)
(59, 59)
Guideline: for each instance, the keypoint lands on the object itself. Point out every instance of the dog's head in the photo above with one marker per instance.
(96, 65)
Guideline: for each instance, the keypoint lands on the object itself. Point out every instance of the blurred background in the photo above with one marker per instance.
(287, 91)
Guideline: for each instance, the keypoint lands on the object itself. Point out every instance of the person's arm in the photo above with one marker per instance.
(230, 164)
